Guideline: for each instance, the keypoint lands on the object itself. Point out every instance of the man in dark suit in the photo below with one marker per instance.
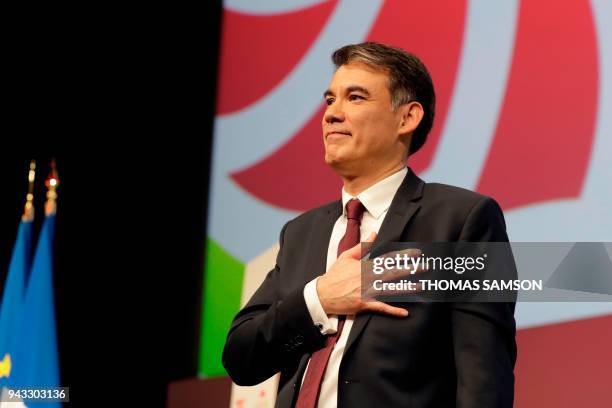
(308, 319)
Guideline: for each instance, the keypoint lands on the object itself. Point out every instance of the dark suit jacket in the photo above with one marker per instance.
(442, 355)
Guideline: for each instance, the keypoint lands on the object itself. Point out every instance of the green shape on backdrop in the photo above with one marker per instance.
(223, 279)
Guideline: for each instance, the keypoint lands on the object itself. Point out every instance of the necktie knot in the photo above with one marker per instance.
(354, 209)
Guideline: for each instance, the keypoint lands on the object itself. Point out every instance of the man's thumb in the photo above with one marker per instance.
(355, 252)
(371, 237)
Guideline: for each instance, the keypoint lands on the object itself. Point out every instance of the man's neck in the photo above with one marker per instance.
(356, 184)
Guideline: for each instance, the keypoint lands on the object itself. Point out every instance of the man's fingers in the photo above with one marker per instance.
(406, 259)
(391, 274)
(380, 307)
(399, 293)
(396, 274)
(409, 252)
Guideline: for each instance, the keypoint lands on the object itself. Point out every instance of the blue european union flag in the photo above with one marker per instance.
(12, 300)
(36, 359)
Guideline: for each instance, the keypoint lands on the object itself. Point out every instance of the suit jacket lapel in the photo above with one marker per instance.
(403, 207)
(324, 224)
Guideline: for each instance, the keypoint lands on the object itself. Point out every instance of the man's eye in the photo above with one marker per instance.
(329, 101)
(355, 97)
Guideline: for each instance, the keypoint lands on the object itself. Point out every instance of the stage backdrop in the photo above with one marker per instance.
(524, 114)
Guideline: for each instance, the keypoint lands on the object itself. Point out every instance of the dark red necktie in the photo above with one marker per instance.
(309, 392)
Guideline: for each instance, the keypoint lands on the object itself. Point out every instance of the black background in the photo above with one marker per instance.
(124, 100)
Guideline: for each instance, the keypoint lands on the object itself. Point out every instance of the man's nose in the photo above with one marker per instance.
(334, 113)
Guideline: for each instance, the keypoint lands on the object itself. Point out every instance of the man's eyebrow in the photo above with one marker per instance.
(357, 88)
(349, 89)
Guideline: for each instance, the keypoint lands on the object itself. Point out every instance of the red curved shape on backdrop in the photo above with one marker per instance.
(545, 131)
(290, 178)
(565, 364)
(433, 30)
(258, 51)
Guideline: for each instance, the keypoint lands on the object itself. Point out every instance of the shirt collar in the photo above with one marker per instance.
(377, 198)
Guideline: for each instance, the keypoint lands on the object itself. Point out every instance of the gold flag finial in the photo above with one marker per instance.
(5, 366)
(28, 211)
(52, 183)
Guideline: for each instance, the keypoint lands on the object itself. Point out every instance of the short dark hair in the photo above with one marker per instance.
(409, 80)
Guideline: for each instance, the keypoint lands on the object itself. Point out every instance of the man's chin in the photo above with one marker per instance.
(337, 162)
(333, 159)
(334, 153)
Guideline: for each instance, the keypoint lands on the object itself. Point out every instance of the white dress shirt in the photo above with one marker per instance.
(376, 201)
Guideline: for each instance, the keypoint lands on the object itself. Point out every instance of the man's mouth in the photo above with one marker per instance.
(337, 134)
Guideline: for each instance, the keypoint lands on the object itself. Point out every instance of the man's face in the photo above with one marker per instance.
(360, 130)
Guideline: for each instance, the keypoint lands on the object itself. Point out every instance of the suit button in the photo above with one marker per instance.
(299, 339)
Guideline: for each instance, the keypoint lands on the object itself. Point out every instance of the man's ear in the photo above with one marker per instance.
(411, 115)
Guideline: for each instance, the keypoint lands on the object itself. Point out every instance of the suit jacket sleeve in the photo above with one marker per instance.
(272, 331)
(484, 333)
